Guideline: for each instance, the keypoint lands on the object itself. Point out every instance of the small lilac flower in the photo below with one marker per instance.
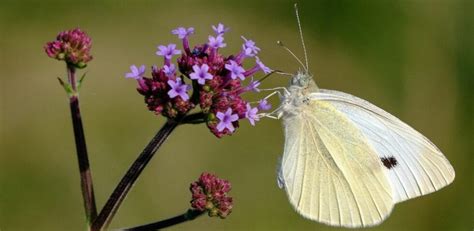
(236, 70)
(183, 32)
(262, 66)
(259, 66)
(136, 73)
(178, 88)
(168, 51)
(201, 73)
(169, 70)
(253, 86)
(216, 42)
(264, 105)
(251, 114)
(249, 47)
(220, 29)
(226, 119)
(209, 193)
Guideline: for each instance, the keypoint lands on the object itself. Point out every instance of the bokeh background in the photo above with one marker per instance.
(413, 58)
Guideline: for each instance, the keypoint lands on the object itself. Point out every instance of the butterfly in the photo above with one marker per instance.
(346, 162)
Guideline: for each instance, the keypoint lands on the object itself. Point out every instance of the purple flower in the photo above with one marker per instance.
(226, 119)
(236, 70)
(216, 42)
(209, 193)
(136, 73)
(220, 29)
(251, 114)
(183, 32)
(262, 66)
(169, 70)
(253, 86)
(168, 51)
(178, 88)
(249, 47)
(201, 73)
(264, 105)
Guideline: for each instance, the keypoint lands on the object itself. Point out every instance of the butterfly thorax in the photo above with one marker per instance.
(301, 85)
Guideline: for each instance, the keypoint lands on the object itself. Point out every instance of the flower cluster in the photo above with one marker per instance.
(72, 46)
(209, 193)
(217, 81)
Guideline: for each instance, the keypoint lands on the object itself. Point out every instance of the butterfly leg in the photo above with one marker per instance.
(277, 89)
(275, 114)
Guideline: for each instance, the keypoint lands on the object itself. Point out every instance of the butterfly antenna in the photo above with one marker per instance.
(293, 54)
(301, 36)
(273, 72)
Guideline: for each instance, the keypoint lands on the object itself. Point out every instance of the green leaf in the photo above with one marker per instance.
(79, 83)
(67, 87)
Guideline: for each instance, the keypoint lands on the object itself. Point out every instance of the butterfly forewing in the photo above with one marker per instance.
(414, 165)
(332, 175)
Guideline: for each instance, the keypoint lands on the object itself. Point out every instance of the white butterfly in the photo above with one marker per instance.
(347, 162)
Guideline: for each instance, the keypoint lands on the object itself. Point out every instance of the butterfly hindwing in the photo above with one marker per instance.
(330, 174)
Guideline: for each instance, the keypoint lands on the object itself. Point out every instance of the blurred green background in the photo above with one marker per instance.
(413, 58)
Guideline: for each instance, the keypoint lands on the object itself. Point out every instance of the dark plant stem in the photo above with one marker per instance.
(189, 215)
(195, 118)
(118, 195)
(81, 150)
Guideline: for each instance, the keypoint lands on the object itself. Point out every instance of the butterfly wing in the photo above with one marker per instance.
(414, 165)
(329, 171)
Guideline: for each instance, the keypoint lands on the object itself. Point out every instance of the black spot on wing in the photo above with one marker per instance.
(389, 162)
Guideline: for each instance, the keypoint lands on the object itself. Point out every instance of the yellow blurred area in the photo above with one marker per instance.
(414, 59)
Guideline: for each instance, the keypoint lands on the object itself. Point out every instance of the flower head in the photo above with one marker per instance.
(178, 89)
(201, 73)
(136, 73)
(218, 82)
(220, 29)
(249, 47)
(251, 114)
(168, 51)
(183, 32)
(216, 42)
(209, 193)
(72, 46)
(236, 70)
(226, 119)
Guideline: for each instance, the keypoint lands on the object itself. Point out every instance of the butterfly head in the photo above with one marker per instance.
(303, 79)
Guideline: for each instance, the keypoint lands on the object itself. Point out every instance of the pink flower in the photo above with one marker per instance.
(209, 193)
(72, 46)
